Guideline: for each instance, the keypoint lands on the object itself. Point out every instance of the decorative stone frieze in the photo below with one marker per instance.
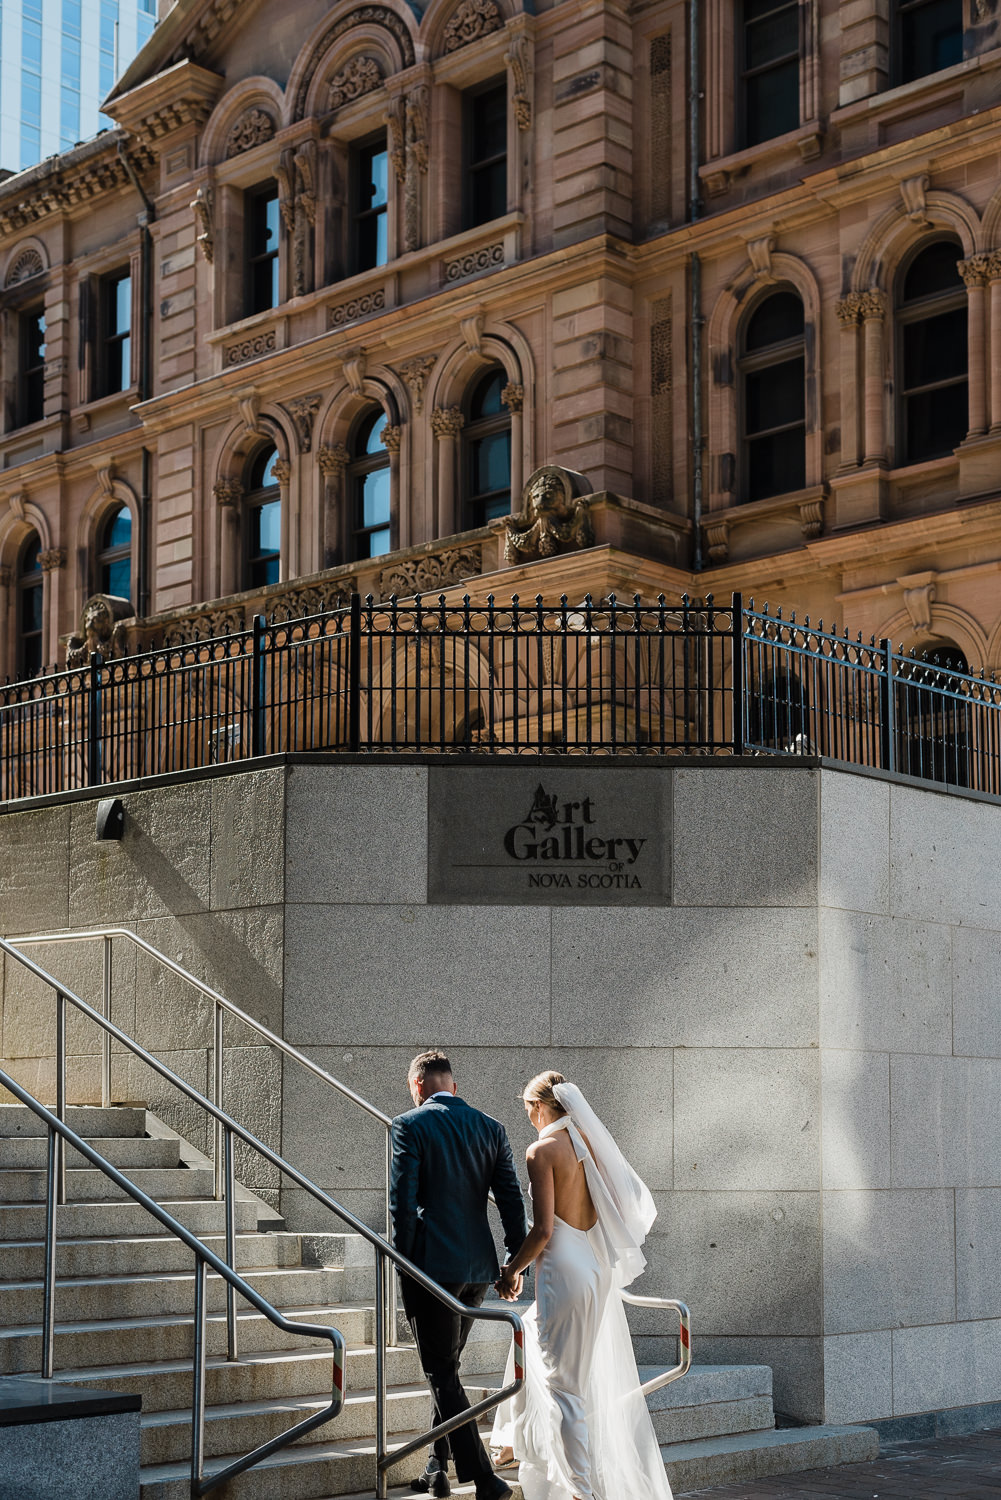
(201, 207)
(424, 575)
(333, 460)
(303, 411)
(52, 558)
(513, 396)
(209, 625)
(447, 421)
(24, 266)
(357, 307)
(296, 604)
(471, 20)
(361, 75)
(228, 492)
(253, 347)
(415, 372)
(68, 185)
(554, 518)
(253, 128)
(483, 259)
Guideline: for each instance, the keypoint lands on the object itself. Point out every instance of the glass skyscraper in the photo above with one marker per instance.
(58, 60)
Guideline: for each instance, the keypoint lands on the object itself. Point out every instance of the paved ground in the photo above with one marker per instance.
(942, 1467)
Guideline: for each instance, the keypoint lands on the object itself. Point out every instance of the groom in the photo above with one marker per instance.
(447, 1158)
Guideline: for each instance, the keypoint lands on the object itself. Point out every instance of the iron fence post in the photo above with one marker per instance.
(257, 688)
(737, 627)
(94, 776)
(354, 675)
(49, 1294)
(888, 737)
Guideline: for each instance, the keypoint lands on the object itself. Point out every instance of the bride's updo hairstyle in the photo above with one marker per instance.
(540, 1090)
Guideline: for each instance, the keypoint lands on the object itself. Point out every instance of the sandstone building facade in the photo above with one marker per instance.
(343, 277)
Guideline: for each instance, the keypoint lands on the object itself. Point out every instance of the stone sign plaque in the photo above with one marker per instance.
(569, 836)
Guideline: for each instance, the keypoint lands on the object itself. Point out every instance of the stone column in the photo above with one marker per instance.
(446, 424)
(872, 306)
(52, 561)
(513, 397)
(229, 498)
(974, 273)
(848, 311)
(391, 440)
(288, 563)
(333, 461)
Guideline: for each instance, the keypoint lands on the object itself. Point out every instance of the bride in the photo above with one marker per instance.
(579, 1429)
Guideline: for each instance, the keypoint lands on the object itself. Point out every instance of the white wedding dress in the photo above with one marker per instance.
(580, 1425)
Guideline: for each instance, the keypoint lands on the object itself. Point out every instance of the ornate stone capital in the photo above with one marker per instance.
(333, 460)
(54, 557)
(849, 309)
(513, 396)
(415, 372)
(228, 492)
(993, 259)
(303, 413)
(282, 470)
(447, 421)
(872, 304)
(392, 437)
(974, 271)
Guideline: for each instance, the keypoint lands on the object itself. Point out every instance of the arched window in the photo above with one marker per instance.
(263, 518)
(114, 554)
(30, 595)
(486, 439)
(931, 316)
(369, 487)
(773, 398)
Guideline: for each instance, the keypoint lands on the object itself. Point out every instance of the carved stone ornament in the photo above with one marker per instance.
(811, 518)
(251, 348)
(415, 372)
(361, 75)
(282, 470)
(912, 191)
(285, 176)
(516, 58)
(918, 600)
(759, 253)
(872, 304)
(419, 125)
(477, 260)
(201, 207)
(447, 421)
(353, 361)
(358, 15)
(849, 309)
(554, 517)
(718, 539)
(471, 20)
(100, 630)
(397, 132)
(333, 460)
(228, 492)
(203, 627)
(52, 558)
(298, 604)
(425, 575)
(252, 129)
(513, 396)
(25, 265)
(305, 171)
(303, 413)
(975, 271)
(392, 437)
(358, 307)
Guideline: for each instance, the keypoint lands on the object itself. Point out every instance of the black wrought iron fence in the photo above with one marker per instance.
(596, 678)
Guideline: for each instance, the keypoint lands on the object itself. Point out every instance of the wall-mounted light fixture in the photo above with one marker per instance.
(110, 818)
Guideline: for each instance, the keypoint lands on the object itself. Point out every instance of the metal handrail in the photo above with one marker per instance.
(386, 1254)
(59, 1134)
(684, 1338)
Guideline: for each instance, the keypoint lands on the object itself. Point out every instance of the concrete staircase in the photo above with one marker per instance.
(124, 1304)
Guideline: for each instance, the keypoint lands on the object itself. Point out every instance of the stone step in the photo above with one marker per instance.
(114, 1218)
(25, 1260)
(711, 1401)
(744, 1457)
(91, 1185)
(87, 1120)
(93, 1299)
(18, 1153)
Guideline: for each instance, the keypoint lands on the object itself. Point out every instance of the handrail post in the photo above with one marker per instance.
(232, 1352)
(257, 688)
(106, 1035)
(888, 735)
(392, 1331)
(61, 1094)
(49, 1295)
(381, 1480)
(354, 675)
(94, 768)
(198, 1384)
(738, 673)
(218, 1056)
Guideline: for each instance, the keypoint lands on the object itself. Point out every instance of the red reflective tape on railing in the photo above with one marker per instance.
(686, 1338)
(339, 1371)
(519, 1354)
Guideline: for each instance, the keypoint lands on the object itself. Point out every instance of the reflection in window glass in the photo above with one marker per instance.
(370, 487)
(262, 220)
(264, 522)
(372, 198)
(114, 557)
(487, 446)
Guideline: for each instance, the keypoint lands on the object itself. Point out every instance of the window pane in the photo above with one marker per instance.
(489, 192)
(935, 349)
(775, 397)
(772, 103)
(116, 578)
(931, 38)
(31, 558)
(934, 270)
(121, 305)
(776, 464)
(936, 422)
(776, 320)
(118, 529)
(268, 527)
(374, 178)
(374, 498)
(776, 36)
(486, 400)
(375, 543)
(489, 124)
(369, 438)
(373, 241)
(31, 608)
(492, 463)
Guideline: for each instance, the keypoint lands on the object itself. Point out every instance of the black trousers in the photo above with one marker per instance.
(441, 1336)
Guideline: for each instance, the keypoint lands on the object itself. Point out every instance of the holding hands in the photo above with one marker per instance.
(509, 1284)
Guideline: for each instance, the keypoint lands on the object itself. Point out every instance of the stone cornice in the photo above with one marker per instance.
(66, 183)
(183, 95)
(187, 30)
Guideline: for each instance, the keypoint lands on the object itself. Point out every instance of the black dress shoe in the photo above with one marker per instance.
(434, 1481)
(493, 1488)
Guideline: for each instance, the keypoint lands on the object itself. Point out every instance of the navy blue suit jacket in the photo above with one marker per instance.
(447, 1157)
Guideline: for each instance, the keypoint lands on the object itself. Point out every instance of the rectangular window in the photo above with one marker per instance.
(115, 355)
(261, 230)
(929, 37)
(486, 155)
(371, 197)
(769, 70)
(31, 405)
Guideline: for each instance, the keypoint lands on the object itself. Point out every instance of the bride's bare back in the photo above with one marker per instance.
(572, 1200)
